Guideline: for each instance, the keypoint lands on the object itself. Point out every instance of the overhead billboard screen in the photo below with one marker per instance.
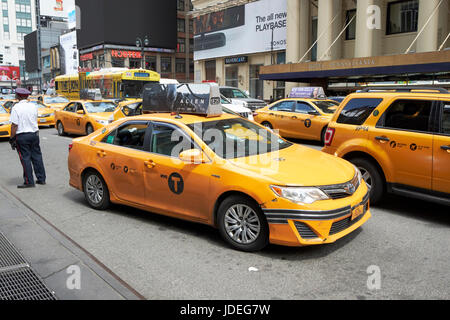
(241, 30)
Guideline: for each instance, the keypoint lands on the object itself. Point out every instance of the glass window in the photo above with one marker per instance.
(231, 93)
(181, 45)
(99, 107)
(181, 25)
(150, 63)
(169, 141)
(210, 68)
(231, 76)
(119, 63)
(411, 115)
(358, 110)
(302, 107)
(329, 107)
(350, 33)
(135, 63)
(286, 106)
(256, 85)
(403, 16)
(70, 107)
(446, 119)
(180, 65)
(128, 136)
(166, 64)
(281, 57)
(180, 5)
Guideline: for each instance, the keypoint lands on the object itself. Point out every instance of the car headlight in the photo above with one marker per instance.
(46, 115)
(103, 122)
(300, 195)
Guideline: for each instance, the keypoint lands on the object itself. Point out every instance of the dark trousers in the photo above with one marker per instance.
(30, 156)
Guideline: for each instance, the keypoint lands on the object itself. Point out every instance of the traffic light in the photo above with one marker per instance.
(1, 58)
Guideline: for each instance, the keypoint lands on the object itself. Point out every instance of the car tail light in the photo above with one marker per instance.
(329, 135)
(70, 146)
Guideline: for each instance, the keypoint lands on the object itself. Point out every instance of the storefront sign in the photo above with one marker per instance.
(126, 54)
(234, 60)
(88, 56)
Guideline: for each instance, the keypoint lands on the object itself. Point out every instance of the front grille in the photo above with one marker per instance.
(305, 231)
(4, 133)
(17, 280)
(340, 191)
(340, 226)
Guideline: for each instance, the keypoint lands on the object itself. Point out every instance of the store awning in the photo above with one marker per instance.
(395, 67)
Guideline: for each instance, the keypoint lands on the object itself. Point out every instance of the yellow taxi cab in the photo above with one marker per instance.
(53, 101)
(298, 118)
(46, 115)
(224, 171)
(7, 104)
(399, 138)
(5, 125)
(84, 116)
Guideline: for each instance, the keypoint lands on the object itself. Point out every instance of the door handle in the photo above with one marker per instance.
(294, 118)
(150, 164)
(446, 148)
(383, 139)
(101, 154)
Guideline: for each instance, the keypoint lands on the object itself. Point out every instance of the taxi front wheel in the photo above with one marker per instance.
(96, 191)
(60, 128)
(242, 224)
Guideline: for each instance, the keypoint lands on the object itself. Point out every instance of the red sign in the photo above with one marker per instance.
(126, 54)
(8, 73)
(88, 56)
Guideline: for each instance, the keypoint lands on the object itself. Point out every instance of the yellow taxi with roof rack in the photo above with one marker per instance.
(300, 116)
(185, 159)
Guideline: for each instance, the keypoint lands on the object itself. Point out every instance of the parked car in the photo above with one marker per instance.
(235, 94)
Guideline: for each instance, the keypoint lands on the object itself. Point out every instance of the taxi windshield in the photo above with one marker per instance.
(237, 138)
(329, 107)
(51, 100)
(98, 107)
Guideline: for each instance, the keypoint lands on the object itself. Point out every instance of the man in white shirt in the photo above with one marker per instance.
(25, 136)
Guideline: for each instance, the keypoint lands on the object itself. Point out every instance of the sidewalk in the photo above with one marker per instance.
(49, 253)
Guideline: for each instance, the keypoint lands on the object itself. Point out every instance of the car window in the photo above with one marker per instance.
(227, 93)
(70, 107)
(239, 94)
(3, 110)
(357, 110)
(98, 107)
(406, 114)
(134, 109)
(128, 136)
(302, 107)
(286, 106)
(446, 119)
(329, 107)
(168, 140)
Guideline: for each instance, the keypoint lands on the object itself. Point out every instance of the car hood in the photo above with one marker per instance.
(4, 117)
(298, 166)
(102, 115)
(42, 111)
(237, 108)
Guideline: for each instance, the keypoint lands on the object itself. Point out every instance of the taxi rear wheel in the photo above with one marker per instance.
(96, 191)
(60, 128)
(89, 129)
(372, 177)
(322, 135)
(242, 224)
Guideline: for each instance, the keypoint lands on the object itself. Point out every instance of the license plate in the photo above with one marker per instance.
(42, 120)
(357, 212)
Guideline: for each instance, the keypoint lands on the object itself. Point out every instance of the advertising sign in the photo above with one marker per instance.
(241, 30)
(307, 92)
(57, 8)
(8, 73)
(69, 52)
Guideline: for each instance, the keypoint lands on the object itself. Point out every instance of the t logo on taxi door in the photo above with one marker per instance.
(176, 184)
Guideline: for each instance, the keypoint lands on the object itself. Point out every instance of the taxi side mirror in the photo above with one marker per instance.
(193, 156)
(80, 111)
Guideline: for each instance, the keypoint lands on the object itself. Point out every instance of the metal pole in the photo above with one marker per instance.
(39, 45)
(271, 48)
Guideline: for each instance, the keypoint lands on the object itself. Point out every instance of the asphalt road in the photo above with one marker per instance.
(164, 258)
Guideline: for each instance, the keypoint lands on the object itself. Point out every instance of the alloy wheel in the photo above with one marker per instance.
(242, 224)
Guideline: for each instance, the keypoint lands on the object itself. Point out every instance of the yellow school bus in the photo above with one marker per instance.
(114, 83)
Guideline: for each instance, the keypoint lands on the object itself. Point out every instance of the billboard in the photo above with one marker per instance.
(241, 30)
(69, 53)
(31, 52)
(56, 8)
(8, 73)
(120, 23)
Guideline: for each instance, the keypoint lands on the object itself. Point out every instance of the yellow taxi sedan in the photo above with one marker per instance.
(46, 115)
(224, 171)
(83, 117)
(5, 125)
(298, 118)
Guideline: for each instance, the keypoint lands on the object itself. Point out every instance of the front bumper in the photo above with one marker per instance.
(47, 121)
(5, 131)
(307, 227)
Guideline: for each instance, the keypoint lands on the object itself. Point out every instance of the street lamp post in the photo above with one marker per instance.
(142, 45)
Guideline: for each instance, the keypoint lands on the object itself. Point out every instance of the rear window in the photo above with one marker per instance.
(358, 110)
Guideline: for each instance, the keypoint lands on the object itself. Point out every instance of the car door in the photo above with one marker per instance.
(441, 152)
(175, 187)
(122, 155)
(408, 141)
(302, 122)
(279, 114)
(79, 120)
(65, 116)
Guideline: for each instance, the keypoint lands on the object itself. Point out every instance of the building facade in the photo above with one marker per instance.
(173, 64)
(18, 19)
(337, 41)
(238, 64)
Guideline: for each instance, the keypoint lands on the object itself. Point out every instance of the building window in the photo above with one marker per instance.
(191, 45)
(181, 45)
(403, 16)
(4, 6)
(232, 76)
(135, 63)
(210, 69)
(5, 20)
(6, 35)
(166, 64)
(350, 33)
(181, 25)
(191, 26)
(180, 5)
(180, 66)
(281, 57)
(119, 63)
(150, 63)
(256, 85)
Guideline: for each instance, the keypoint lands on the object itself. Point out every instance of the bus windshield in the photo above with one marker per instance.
(133, 89)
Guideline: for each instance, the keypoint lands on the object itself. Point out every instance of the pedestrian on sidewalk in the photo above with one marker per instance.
(25, 138)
